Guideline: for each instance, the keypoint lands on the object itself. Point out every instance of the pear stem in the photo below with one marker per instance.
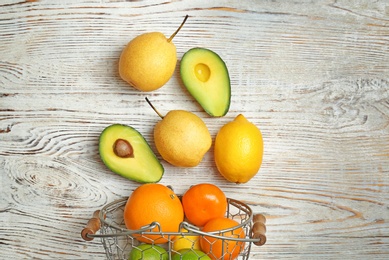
(156, 111)
(179, 28)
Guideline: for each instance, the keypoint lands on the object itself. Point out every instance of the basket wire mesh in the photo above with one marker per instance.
(118, 241)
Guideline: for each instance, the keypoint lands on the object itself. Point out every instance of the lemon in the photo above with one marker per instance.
(238, 150)
(186, 241)
(149, 252)
(190, 254)
(182, 138)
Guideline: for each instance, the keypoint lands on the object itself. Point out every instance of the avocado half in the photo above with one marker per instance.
(205, 76)
(125, 151)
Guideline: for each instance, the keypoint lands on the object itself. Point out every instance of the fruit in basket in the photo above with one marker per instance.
(181, 137)
(190, 254)
(205, 76)
(186, 241)
(153, 202)
(218, 248)
(203, 202)
(126, 152)
(149, 252)
(238, 150)
(149, 60)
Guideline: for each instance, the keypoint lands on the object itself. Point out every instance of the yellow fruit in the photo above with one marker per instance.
(149, 60)
(238, 150)
(182, 138)
(186, 241)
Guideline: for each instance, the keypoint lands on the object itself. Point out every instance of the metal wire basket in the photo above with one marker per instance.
(118, 241)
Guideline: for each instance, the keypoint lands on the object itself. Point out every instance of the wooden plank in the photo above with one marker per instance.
(312, 75)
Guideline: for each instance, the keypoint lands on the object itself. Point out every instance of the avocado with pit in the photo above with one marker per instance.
(126, 152)
(206, 77)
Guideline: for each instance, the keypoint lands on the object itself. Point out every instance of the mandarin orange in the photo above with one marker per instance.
(153, 202)
(217, 248)
(203, 202)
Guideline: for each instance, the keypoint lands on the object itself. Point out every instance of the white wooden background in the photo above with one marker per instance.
(312, 75)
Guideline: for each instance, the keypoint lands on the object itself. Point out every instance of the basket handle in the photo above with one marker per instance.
(259, 229)
(93, 225)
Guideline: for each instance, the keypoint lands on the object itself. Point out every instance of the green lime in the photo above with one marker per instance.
(149, 252)
(190, 254)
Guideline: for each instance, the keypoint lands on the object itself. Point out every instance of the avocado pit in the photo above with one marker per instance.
(123, 149)
(202, 72)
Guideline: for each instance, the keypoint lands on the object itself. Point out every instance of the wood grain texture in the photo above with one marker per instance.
(313, 75)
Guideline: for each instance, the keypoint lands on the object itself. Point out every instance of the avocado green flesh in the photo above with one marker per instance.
(211, 87)
(143, 167)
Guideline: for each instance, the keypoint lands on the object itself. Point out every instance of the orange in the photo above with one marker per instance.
(238, 150)
(217, 248)
(149, 203)
(203, 202)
